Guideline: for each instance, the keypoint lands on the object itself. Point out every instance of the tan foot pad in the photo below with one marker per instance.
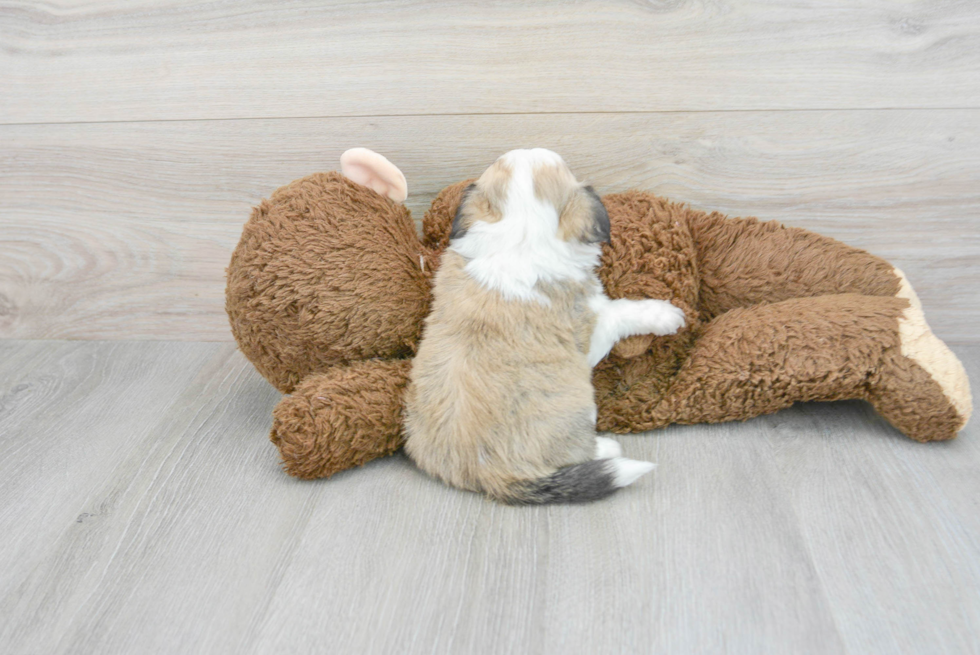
(929, 352)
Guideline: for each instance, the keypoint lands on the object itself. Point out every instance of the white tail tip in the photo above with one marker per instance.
(628, 471)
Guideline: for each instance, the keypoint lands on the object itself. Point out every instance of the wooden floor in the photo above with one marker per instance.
(144, 512)
(142, 509)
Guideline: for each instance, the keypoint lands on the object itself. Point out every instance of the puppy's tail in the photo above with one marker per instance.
(579, 483)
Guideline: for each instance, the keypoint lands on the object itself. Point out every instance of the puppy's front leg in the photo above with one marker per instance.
(618, 319)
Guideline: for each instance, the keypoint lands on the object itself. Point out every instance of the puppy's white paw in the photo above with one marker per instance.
(661, 317)
(607, 448)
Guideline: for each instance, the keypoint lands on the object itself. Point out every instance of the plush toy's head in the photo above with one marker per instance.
(327, 272)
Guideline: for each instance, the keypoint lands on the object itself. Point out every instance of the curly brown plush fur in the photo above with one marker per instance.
(326, 273)
(342, 418)
(328, 288)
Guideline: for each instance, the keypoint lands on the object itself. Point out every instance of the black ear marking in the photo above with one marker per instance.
(458, 228)
(600, 218)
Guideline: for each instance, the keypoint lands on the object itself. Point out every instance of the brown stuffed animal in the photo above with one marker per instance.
(329, 286)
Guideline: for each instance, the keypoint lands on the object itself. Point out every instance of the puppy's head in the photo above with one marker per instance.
(536, 194)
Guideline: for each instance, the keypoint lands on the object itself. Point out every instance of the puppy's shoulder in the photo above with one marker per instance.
(455, 291)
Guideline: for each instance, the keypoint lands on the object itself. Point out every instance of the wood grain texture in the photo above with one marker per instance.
(145, 549)
(818, 529)
(123, 231)
(890, 527)
(137, 60)
(69, 414)
(702, 555)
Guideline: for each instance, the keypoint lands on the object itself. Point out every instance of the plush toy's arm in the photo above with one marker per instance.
(342, 418)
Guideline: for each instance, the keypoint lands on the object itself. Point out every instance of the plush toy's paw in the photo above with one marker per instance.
(660, 317)
(921, 387)
(634, 346)
(910, 399)
(925, 348)
(342, 418)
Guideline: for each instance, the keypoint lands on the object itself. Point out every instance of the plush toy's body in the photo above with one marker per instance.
(329, 286)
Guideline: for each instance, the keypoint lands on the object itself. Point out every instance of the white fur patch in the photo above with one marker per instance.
(521, 249)
(606, 448)
(929, 352)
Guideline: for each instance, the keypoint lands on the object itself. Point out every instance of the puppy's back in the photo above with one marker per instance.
(501, 395)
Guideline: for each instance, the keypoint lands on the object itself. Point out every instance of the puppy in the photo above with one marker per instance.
(500, 398)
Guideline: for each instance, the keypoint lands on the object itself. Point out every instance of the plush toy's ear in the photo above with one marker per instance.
(374, 171)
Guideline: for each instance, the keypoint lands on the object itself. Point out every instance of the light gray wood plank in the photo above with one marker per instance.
(69, 413)
(705, 555)
(137, 60)
(123, 230)
(818, 530)
(890, 524)
(156, 521)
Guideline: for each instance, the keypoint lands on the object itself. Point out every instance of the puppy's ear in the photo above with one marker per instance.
(460, 224)
(600, 217)
(583, 217)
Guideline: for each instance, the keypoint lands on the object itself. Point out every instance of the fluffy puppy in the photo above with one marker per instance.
(501, 398)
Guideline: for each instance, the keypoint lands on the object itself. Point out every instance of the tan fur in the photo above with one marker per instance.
(575, 220)
(556, 185)
(493, 183)
(487, 201)
(500, 390)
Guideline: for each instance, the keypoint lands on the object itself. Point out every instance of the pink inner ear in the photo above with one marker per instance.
(374, 171)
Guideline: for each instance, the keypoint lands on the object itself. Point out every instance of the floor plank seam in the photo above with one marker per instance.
(757, 110)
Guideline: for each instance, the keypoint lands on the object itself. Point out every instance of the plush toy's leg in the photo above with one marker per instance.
(342, 418)
(755, 360)
(930, 355)
(743, 262)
